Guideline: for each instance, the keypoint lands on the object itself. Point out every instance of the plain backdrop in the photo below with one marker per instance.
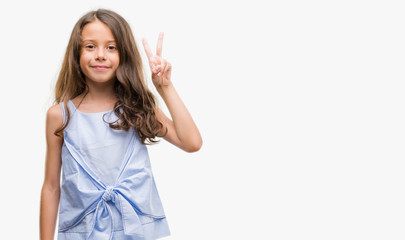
(300, 105)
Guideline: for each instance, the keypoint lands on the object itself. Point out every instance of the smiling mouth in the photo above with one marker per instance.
(100, 68)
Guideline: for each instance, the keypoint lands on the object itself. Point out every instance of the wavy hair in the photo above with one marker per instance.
(138, 104)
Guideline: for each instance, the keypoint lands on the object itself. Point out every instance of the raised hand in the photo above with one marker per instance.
(161, 69)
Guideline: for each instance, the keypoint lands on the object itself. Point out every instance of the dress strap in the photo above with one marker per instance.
(64, 115)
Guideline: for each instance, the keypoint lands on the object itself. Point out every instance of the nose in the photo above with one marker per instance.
(100, 55)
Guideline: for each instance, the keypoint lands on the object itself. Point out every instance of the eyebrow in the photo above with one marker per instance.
(91, 40)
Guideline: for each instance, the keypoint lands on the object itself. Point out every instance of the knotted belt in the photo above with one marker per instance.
(103, 220)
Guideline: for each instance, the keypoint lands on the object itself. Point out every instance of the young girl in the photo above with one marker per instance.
(97, 135)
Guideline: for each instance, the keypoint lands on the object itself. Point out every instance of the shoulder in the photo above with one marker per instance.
(54, 113)
(54, 118)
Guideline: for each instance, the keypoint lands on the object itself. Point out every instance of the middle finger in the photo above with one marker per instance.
(159, 45)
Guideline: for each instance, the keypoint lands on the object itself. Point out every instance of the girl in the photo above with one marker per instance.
(98, 131)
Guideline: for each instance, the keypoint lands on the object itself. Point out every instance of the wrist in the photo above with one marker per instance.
(163, 89)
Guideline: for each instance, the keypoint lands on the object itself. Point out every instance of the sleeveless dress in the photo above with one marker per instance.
(108, 190)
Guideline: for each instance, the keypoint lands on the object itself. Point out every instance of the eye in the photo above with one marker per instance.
(90, 46)
(112, 48)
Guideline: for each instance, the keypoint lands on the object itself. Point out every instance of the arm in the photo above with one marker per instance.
(50, 192)
(181, 131)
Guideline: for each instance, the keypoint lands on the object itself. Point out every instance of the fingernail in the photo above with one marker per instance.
(159, 74)
(158, 67)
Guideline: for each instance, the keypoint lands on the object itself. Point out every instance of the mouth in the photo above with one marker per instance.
(100, 67)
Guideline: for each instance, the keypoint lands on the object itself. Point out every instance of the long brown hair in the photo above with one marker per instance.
(137, 102)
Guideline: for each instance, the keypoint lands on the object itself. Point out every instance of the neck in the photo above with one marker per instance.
(100, 92)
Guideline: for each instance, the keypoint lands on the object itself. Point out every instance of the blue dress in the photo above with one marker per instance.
(108, 190)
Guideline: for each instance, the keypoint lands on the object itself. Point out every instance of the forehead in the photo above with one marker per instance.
(96, 31)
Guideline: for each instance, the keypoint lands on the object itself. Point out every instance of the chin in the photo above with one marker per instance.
(100, 80)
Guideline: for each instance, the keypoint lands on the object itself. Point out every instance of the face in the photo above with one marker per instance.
(99, 58)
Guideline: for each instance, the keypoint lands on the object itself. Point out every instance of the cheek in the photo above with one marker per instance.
(81, 63)
(85, 56)
(116, 61)
(83, 60)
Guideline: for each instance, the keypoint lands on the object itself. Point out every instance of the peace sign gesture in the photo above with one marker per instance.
(161, 69)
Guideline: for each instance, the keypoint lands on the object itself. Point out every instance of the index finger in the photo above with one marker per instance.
(147, 49)
(159, 45)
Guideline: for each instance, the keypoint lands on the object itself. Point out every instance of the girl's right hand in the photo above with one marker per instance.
(161, 69)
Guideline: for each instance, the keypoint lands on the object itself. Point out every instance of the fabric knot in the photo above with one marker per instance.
(107, 195)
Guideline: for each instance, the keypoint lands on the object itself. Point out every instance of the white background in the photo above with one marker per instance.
(300, 105)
